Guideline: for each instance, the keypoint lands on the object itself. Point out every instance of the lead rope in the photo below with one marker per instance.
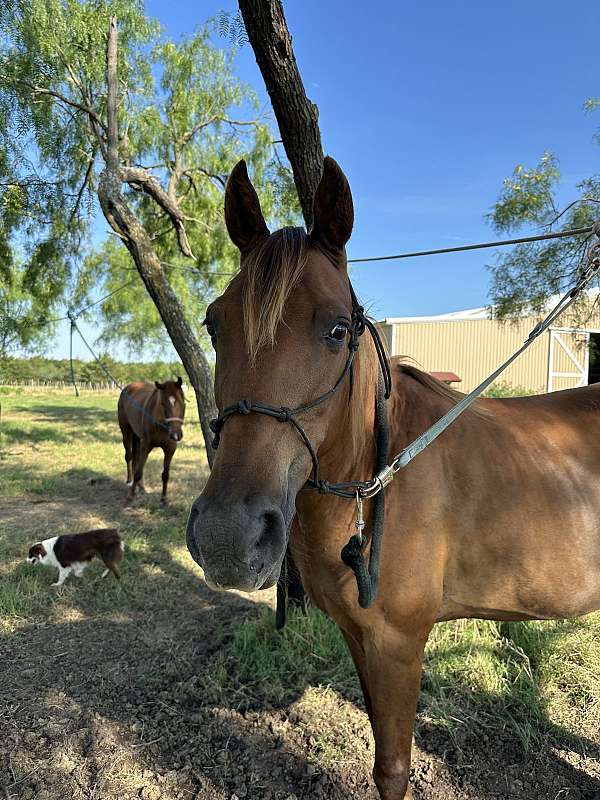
(367, 580)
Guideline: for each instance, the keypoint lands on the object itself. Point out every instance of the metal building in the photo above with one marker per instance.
(472, 344)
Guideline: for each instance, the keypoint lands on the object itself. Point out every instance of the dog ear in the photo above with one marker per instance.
(159, 385)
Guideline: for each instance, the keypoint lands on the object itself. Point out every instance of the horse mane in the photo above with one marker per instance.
(437, 387)
(271, 270)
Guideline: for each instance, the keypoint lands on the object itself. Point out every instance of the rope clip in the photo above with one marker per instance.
(360, 520)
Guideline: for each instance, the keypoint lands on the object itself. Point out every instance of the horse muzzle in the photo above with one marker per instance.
(238, 545)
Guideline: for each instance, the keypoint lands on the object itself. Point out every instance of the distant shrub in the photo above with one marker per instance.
(506, 390)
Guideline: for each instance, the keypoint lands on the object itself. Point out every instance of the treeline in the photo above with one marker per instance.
(47, 369)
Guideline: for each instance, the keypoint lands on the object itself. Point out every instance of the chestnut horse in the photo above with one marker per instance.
(498, 519)
(150, 415)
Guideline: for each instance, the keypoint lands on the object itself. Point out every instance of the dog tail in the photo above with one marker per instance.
(112, 552)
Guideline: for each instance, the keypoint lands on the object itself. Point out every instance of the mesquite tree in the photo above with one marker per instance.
(524, 278)
(84, 115)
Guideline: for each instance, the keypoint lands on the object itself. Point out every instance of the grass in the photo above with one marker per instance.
(309, 650)
(62, 470)
(535, 679)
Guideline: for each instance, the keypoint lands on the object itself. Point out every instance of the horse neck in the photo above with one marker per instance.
(324, 523)
(152, 405)
(349, 451)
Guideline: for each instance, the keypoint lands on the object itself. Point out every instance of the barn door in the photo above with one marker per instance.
(568, 358)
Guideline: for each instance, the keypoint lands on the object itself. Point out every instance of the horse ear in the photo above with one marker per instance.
(243, 215)
(159, 385)
(333, 210)
(179, 382)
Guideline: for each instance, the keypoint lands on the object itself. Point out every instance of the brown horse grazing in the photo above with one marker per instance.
(499, 518)
(150, 415)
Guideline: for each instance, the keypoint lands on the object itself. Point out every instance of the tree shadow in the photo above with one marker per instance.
(65, 414)
(76, 421)
(151, 684)
(507, 746)
(40, 433)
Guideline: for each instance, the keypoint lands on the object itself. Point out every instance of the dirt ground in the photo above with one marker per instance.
(129, 690)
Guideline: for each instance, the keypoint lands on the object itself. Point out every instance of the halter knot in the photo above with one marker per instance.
(323, 487)
(215, 425)
(285, 414)
(244, 407)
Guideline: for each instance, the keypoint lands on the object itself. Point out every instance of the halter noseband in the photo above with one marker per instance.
(352, 552)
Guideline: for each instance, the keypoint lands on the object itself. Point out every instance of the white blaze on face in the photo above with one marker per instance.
(172, 401)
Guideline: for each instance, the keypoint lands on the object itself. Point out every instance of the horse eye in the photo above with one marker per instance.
(338, 332)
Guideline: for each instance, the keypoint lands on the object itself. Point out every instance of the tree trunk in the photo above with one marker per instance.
(124, 222)
(297, 116)
(298, 120)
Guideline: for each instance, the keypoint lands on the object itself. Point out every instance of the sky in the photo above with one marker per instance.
(427, 107)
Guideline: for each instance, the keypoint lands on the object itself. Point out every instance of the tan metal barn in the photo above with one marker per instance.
(472, 344)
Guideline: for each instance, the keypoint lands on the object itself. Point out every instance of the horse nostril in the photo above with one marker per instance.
(271, 533)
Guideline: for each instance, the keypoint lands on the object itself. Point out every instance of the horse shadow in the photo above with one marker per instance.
(151, 684)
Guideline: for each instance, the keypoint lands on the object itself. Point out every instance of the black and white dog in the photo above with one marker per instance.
(73, 552)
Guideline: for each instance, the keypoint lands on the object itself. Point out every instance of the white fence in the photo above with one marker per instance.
(97, 386)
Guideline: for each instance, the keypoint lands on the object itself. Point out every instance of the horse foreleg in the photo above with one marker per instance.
(393, 665)
(358, 657)
(169, 452)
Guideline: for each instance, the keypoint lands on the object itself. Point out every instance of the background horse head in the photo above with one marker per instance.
(172, 404)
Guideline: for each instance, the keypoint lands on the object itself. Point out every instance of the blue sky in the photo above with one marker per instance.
(427, 107)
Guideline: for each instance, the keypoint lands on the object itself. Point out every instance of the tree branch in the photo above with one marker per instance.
(219, 178)
(135, 176)
(86, 178)
(126, 225)
(58, 96)
(112, 152)
(139, 178)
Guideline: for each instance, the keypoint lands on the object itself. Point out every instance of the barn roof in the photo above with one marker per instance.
(484, 312)
(452, 316)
